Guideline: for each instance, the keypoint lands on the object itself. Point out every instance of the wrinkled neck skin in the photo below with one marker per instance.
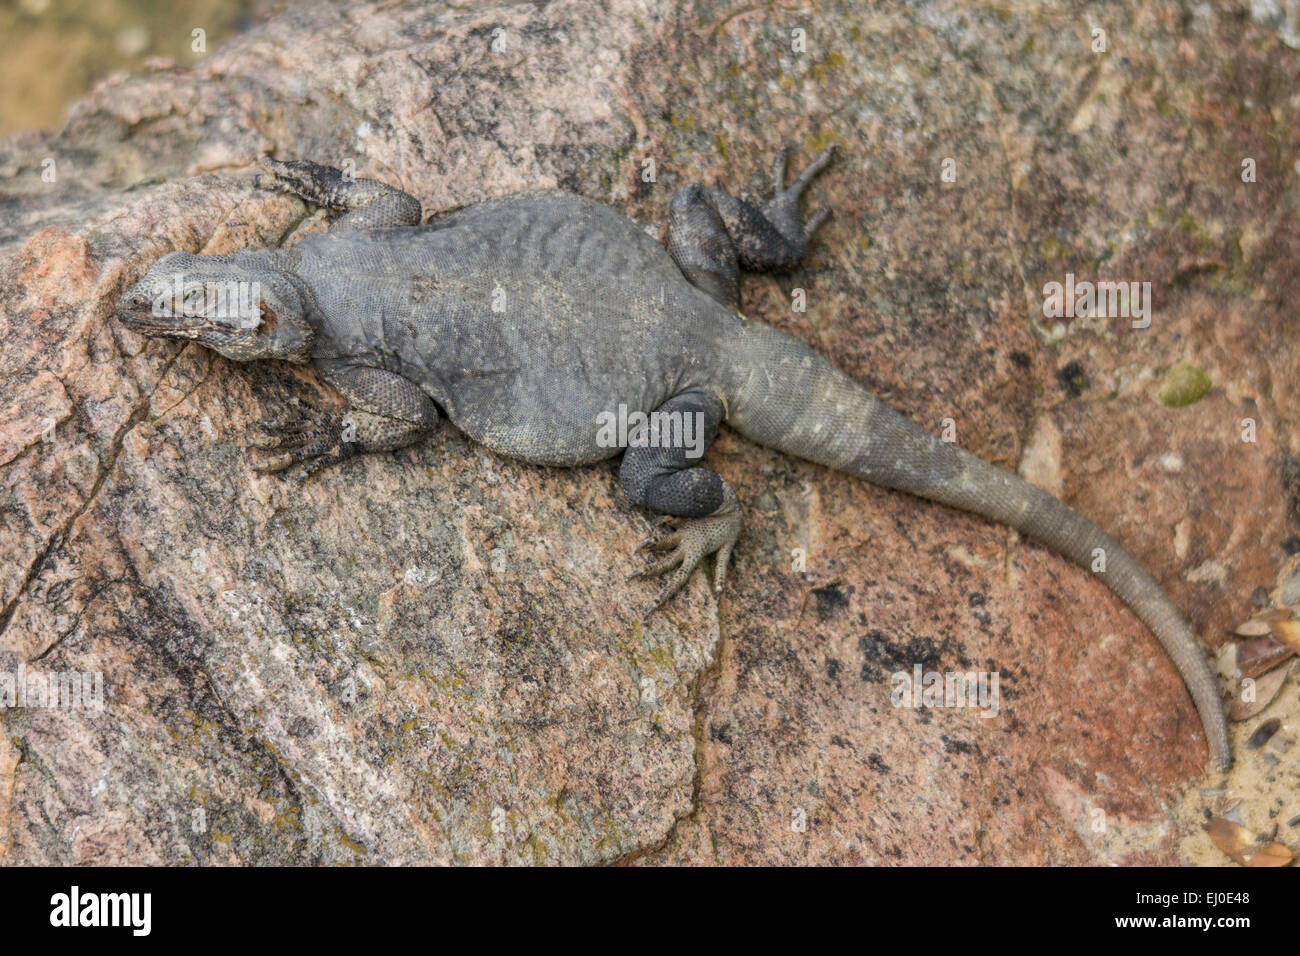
(275, 269)
(290, 318)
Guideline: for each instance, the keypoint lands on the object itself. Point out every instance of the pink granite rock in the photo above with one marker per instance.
(433, 656)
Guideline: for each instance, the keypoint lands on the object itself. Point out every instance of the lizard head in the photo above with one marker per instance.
(235, 305)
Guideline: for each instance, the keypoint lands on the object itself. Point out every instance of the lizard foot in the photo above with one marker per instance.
(308, 181)
(314, 439)
(783, 209)
(688, 544)
(712, 234)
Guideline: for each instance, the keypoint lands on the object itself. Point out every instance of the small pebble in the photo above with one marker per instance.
(1262, 735)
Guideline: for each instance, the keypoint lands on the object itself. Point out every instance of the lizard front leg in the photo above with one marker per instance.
(351, 203)
(660, 470)
(387, 412)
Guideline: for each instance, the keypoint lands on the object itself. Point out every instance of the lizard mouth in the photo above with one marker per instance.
(142, 316)
(144, 319)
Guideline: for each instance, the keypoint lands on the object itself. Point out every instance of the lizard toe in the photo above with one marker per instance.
(305, 423)
(662, 566)
(810, 172)
(778, 170)
(277, 435)
(314, 439)
(696, 539)
(782, 211)
(815, 223)
(319, 462)
(299, 177)
(665, 543)
(309, 448)
(673, 585)
(278, 177)
(721, 561)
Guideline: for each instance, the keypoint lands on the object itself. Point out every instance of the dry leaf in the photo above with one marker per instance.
(1270, 854)
(1288, 632)
(1261, 654)
(1265, 689)
(1240, 844)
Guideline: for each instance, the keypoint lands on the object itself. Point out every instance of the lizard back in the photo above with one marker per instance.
(508, 314)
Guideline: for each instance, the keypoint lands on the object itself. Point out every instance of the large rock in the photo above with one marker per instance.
(433, 655)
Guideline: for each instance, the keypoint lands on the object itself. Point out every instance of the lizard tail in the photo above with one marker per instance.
(794, 400)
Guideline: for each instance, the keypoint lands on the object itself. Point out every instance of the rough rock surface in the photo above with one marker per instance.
(432, 656)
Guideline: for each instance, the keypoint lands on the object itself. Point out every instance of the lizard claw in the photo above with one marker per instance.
(660, 544)
(275, 178)
(688, 545)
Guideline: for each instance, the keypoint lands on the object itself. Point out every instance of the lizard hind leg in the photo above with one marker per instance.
(660, 471)
(712, 234)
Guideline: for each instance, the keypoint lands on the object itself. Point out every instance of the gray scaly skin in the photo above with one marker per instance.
(526, 318)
